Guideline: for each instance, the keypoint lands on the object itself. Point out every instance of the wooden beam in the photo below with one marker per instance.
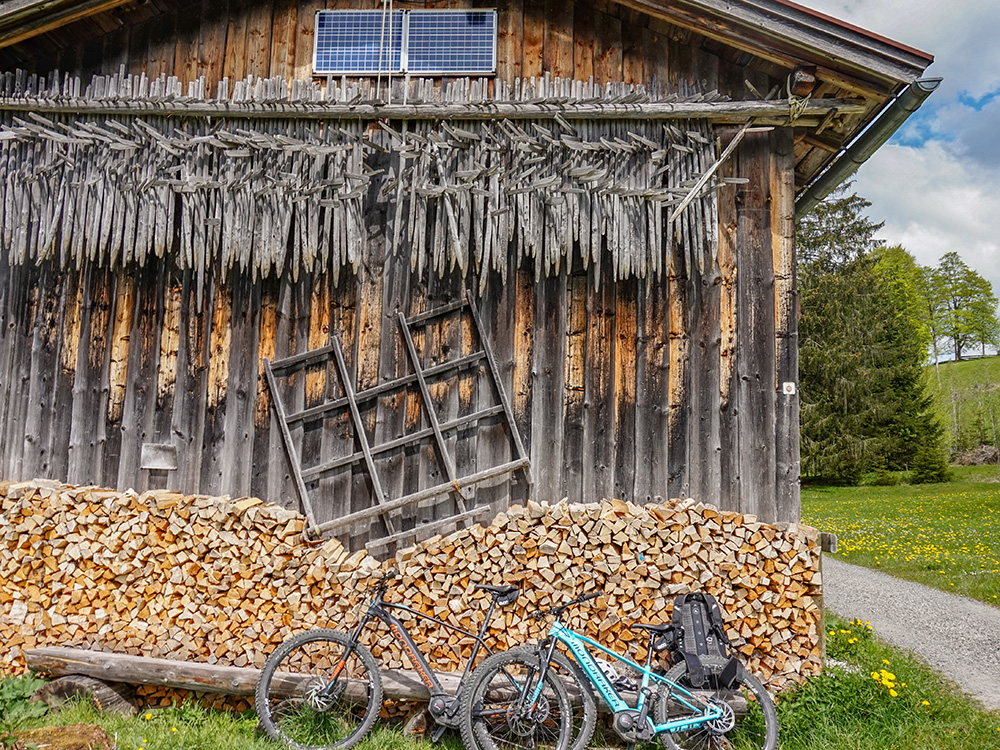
(27, 22)
(769, 112)
(397, 684)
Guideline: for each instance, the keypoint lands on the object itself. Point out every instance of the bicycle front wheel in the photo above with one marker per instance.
(318, 691)
(749, 721)
(507, 707)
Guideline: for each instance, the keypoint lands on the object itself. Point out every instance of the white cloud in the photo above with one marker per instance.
(941, 191)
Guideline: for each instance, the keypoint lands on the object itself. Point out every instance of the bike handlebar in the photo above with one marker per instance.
(557, 611)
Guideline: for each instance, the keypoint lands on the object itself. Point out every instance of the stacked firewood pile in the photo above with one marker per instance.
(223, 581)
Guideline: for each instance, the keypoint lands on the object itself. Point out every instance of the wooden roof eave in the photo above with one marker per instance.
(24, 19)
(788, 35)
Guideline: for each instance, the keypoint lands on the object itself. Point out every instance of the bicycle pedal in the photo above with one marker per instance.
(438, 733)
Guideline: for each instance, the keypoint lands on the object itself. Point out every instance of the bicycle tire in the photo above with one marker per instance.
(757, 729)
(291, 709)
(492, 717)
(584, 713)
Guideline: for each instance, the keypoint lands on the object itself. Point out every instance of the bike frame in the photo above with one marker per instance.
(577, 645)
(379, 608)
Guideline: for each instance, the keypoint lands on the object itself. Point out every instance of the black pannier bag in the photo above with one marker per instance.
(702, 643)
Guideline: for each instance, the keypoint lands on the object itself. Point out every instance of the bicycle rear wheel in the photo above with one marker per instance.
(316, 692)
(505, 708)
(749, 721)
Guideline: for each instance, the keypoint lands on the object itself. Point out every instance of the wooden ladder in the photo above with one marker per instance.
(366, 452)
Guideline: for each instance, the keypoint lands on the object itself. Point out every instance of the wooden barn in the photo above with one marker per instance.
(399, 264)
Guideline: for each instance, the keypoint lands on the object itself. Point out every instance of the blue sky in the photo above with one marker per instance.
(936, 184)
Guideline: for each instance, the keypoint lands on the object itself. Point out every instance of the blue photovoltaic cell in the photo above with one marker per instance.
(355, 41)
(437, 41)
(451, 41)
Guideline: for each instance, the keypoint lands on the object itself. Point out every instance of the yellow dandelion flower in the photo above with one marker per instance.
(149, 717)
(173, 729)
(886, 662)
(925, 703)
(893, 693)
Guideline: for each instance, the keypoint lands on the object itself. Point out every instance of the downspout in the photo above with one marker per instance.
(881, 129)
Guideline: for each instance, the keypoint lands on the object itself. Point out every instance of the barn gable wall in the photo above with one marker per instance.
(635, 388)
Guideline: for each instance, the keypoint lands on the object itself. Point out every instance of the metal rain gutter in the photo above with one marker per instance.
(881, 129)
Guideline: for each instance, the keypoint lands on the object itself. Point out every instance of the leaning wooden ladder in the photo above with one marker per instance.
(367, 453)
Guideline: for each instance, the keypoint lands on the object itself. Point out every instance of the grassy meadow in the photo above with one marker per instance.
(966, 397)
(943, 535)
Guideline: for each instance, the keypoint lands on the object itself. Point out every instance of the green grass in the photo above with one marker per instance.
(844, 709)
(963, 398)
(942, 535)
(847, 708)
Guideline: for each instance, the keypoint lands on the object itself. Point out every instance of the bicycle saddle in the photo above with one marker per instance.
(504, 595)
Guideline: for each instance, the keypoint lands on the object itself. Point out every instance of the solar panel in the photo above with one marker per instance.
(358, 41)
(426, 42)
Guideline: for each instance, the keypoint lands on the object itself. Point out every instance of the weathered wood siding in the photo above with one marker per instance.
(619, 390)
(217, 38)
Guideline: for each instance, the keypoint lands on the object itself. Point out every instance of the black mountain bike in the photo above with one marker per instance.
(321, 689)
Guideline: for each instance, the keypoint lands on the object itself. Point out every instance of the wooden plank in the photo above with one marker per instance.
(305, 37)
(139, 404)
(43, 362)
(258, 44)
(265, 464)
(787, 497)
(509, 37)
(729, 490)
(450, 523)
(212, 42)
(625, 387)
(599, 385)
(283, 39)
(167, 374)
(557, 50)
(633, 47)
(186, 52)
(116, 374)
(679, 379)
(584, 34)
(607, 49)
(23, 305)
(219, 340)
(187, 423)
(533, 40)
(548, 383)
(241, 390)
(188, 675)
(235, 65)
(755, 301)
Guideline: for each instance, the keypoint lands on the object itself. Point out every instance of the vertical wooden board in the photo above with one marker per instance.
(316, 386)
(116, 50)
(241, 390)
(510, 22)
(521, 394)
(23, 310)
(161, 52)
(219, 338)
(679, 72)
(139, 404)
(656, 55)
(607, 49)
(705, 69)
(8, 328)
(283, 39)
(679, 380)
(548, 384)
(633, 47)
(187, 422)
(186, 52)
(729, 410)
(170, 346)
(305, 37)
(584, 35)
(652, 371)
(235, 65)
(533, 40)
(599, 386)
(85, 438)
(116, 372)
(755, 311)
(575, 377)
(264, 461)
(415, 458)
(704, 441)
(258, 46)
(280, 485)
(787, 497)
(138, 48)
(60, 413)
(212, 42)
(43, 363)
(625, 387)
(557, 43)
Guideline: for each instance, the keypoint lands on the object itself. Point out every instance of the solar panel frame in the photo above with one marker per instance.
(426, 47)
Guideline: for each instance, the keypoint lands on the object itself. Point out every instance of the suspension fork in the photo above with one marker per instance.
(338, 668)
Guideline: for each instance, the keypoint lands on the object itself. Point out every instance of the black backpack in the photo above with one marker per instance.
(702, 643)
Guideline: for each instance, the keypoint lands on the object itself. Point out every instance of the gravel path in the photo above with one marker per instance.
(957, 636)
